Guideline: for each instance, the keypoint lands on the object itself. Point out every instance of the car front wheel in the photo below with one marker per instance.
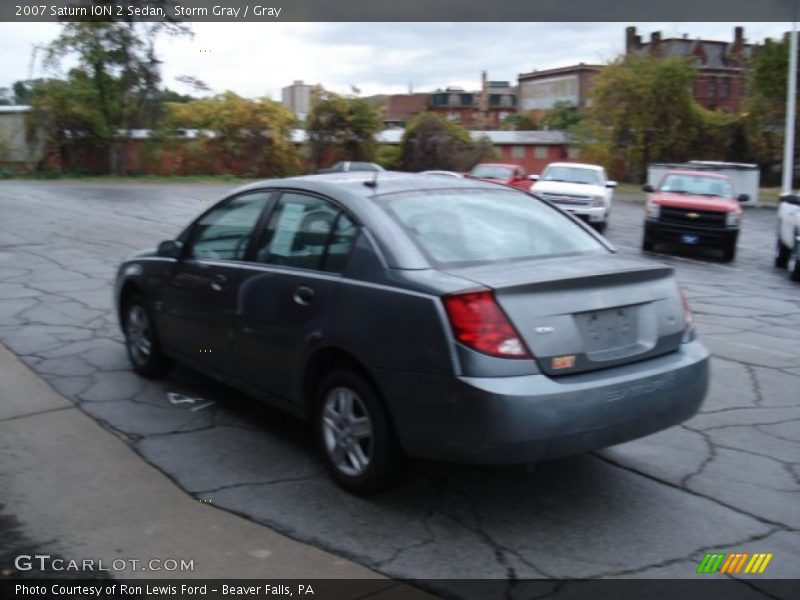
(794, 262)
(355, 434)
(141, 340)
(782, 255)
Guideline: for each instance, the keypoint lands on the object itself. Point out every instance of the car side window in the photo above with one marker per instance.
(307, 232)
(224, 232)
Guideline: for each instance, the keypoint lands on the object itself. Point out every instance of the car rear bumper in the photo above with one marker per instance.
(507, 420)
(656, 231)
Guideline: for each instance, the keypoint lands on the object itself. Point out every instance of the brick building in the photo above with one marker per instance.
(485, 108)
(401, 107)
(721, 65)
(539, 91)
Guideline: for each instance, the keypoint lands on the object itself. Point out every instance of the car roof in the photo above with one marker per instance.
(497, 164)
(358, 183)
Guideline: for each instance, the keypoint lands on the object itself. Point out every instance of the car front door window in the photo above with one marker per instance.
(224, 233)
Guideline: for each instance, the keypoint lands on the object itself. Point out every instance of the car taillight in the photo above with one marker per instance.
(479, 323)
(688, 319)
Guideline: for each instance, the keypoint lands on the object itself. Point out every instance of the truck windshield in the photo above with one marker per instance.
(573, 175)
(697, 185)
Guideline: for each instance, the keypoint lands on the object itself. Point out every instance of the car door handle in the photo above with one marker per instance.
(303, 295)
(219, 283)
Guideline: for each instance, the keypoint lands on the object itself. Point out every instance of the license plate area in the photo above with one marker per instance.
(690, 239)
(609, 329)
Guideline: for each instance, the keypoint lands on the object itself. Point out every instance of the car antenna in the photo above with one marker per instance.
(374, 182)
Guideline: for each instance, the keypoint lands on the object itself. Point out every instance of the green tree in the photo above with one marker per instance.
(241, 135)
(431, 141)
(519, 122)
(563, 116)
(765, 106)
(342, 128)
(642, 110)
(117, 76)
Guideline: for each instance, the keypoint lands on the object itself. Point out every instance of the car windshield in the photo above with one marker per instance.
(697, 185)
(464, 226)
(491, 172)
(573, 175)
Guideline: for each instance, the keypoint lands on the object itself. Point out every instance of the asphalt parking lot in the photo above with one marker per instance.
(727, 480)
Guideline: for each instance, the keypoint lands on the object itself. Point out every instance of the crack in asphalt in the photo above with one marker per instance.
(36, 414)
(688, 490)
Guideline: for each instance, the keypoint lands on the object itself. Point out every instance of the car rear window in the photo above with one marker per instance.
(491, 172)
(463, 226)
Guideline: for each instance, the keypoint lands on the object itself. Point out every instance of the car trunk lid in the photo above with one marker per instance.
(578, 315)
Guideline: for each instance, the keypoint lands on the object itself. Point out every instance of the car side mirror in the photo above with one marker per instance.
(648, 188)
(170, 249)
(533, 177)
(790, 199)
(743, 197)
(611, 184)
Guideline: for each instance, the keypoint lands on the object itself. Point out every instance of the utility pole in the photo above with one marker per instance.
(791, 97)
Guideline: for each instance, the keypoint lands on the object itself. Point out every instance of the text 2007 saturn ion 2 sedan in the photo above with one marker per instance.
(411, 315)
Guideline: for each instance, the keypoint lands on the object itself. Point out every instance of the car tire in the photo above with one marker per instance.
(794, 262)
(647, 245)
(355, 435)
(782, 255)
(601, 226)
(141, 339)
(729, 253)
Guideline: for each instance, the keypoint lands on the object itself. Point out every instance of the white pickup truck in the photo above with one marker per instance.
(577, 188)
(787, 254)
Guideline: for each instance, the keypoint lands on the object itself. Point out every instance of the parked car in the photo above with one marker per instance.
(418, 316)
(442, 173)
(693, 208)
(787, 255)
(581, 189)
(507, 174)
(347, 165)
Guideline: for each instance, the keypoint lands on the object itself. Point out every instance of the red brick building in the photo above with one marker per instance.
(401, 107)
(721, 65)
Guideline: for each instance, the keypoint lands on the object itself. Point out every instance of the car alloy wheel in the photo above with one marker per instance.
(139, 334)
(348, 431)
(141, 339)
(355, 434)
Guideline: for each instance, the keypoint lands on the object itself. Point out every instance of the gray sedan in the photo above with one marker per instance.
(423, 316)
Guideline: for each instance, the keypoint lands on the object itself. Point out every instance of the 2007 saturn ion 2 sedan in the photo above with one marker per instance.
(413, 315)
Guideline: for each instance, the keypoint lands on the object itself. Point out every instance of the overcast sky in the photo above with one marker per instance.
(258, 59)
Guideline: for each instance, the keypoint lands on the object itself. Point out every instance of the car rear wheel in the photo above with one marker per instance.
(647, 245)
(355, 434)
(141, 340)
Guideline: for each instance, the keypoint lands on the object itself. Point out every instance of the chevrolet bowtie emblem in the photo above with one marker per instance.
(692, 215)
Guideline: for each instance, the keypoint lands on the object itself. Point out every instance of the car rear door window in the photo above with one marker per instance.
(224, 232)
(307, 232)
